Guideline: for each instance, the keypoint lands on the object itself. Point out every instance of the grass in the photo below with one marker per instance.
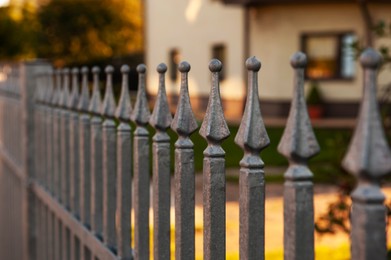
(325, 166)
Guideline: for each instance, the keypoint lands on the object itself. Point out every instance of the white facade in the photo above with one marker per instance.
(193, 27)
(272, 33)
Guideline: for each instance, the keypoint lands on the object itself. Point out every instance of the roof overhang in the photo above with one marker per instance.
(272, 2)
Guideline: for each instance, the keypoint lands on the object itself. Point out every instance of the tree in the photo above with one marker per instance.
(17, 32)
(77, 31)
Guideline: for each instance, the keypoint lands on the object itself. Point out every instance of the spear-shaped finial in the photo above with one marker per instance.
(124, 108)
(65, 93)
(74, 97)
(108, 107)
(184, 122)
(96, 101)
(298, 144)
(161, 116)
(84, 98)
(298, 141)
(214, 127)
(252, 134)
(141, 112)
(369, 155)
(57, 90)
(49, 84)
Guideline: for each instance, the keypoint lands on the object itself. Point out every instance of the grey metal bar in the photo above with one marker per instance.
(214, 129)
(124, 170)
(85, 152)
(68, 220)
(109, 142)
(141, 170)
(65, 149)
(96, 158)
(49, 133)
(298, 144)
(369, 159)
(74, 145)
(252, 138)
(56, 137)
(184, 124)
(161, 121)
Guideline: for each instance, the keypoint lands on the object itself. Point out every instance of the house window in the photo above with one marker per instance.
(173, 65)
(219, 52)
(330, 55)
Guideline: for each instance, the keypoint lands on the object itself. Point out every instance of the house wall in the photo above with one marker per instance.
(275, 35)
(193, 27)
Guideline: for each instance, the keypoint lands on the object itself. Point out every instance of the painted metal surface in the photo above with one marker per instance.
(184, 124)
(141, 169)
(298, 144)
(124, 169)
(161, 121)
(369, 159)
(252, 138)
(214, 129)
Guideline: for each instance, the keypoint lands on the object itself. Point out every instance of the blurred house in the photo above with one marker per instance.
(272, 30)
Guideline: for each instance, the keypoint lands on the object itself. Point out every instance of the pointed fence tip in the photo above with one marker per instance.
(370, 58)
(124, 108)
(161, 68)
(161, 117)
(84, 70)
(252, 134)
(141, 68)
(184, 67)
(253, 64)
(214, 127)
(215, 65)
(298, 141)
(141, 112)
(184, 122)
(299, 60)
(108, 107)
(95, 103)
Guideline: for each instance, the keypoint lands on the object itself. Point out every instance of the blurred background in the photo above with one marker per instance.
(71, 33)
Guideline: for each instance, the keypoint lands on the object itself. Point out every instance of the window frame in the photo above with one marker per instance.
(339, 36)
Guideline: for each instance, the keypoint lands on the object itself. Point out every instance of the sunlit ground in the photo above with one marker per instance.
(330, 247)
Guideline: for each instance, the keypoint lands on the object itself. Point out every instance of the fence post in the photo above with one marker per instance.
(85, 154)
(252, 138)
(49, 128)
(214, 129)
(124, 170)
(74, 144)
(141, 171)
(57, 161)
(28, 202)
(298, 144)
(65, 163)
(109, 142)
(96, 157)
(369, 159)
(161, 121)
(184, 124)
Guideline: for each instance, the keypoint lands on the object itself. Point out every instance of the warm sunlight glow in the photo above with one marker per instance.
(192, 10)
(4, 2)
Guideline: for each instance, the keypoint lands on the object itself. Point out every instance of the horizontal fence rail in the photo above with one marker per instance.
(75, 167)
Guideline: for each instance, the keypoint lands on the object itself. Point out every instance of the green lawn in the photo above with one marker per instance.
(325, 166)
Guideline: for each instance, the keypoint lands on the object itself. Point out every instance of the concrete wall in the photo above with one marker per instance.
(275, 34)
(193, 27)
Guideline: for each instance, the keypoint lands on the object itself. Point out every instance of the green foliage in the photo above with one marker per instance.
(17, 33)
(314, 96)
(82, 30)
(71, 31)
